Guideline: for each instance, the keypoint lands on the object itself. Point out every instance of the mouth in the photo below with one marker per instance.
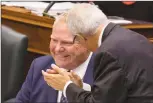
(66, 56)
(62, 57)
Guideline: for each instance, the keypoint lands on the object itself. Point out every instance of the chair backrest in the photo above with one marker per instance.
(13, 51)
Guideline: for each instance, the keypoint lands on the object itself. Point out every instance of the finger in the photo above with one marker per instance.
(45, 73)
(71, 77)
(47, 76)
(45, 79)
(57, 69)
(75, 76)
(50, 71)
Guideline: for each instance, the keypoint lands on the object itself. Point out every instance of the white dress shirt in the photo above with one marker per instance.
(80, 70)
(99, 43)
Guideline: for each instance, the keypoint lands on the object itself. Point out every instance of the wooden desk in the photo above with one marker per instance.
(38, 29)
(144, 28)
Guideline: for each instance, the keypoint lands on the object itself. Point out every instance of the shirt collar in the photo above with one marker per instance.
(101, 34)
(81, 69)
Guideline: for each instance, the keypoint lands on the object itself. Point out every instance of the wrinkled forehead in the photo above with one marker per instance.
(61, 31)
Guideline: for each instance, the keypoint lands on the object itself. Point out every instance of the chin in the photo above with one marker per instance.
(62, 65)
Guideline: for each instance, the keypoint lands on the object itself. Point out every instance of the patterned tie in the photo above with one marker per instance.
(63, 99)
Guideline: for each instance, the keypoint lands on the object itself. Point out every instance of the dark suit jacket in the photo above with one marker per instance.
(35, 89)
(140, 10)
(123, 70)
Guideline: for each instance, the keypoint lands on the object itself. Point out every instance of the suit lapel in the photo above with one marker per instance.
(52, 97)
(52, 93)
(88, 77)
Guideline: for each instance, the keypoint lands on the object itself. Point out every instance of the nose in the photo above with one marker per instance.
(59, 48)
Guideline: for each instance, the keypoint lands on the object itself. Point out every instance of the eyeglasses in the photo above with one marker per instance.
(78, 37)
(63, 43)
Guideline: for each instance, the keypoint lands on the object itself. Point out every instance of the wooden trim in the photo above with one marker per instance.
(138, 26)
(28, 17)
(38, 51)
(151, 39)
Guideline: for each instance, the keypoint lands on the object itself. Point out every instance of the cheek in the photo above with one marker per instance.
(87, 44)
(51, 49)
(78, 51)
(50, 46)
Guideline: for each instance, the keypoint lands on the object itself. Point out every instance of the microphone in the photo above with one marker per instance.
(45, 13)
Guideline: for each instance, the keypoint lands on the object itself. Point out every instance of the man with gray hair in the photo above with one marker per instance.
(123, 68)
(67, 53)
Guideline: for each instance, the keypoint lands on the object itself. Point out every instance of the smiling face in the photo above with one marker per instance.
(66, 53)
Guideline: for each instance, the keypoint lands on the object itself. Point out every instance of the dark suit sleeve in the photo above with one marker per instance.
(23, 95)
(109, 83)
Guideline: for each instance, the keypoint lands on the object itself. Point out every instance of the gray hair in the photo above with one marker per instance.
(85, 18)
(60, 18)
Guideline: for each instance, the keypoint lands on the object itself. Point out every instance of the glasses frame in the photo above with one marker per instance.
(80, 36)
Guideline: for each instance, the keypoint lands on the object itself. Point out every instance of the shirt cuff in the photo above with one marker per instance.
(65, 87)
(86, 87)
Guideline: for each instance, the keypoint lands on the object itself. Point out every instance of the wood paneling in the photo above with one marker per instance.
(38, 37)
